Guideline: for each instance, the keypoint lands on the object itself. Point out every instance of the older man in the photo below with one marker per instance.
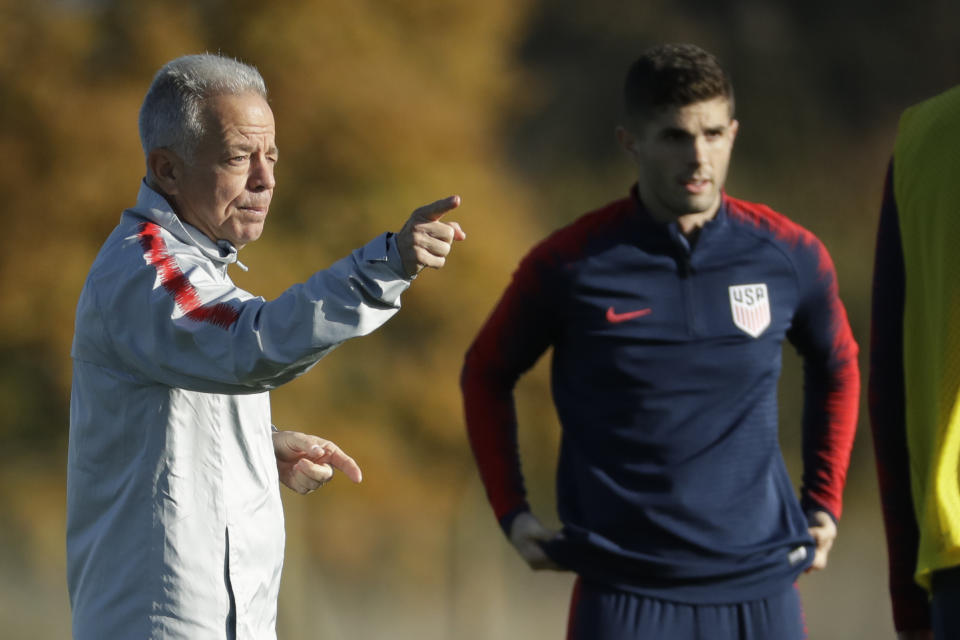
(175, 526)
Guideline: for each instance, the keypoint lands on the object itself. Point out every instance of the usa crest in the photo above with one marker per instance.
(750, 306)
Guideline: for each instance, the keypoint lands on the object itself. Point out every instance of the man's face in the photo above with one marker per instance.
(225, 190)
(683, 154)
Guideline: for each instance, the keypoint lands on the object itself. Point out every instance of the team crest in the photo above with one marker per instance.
(750, 306)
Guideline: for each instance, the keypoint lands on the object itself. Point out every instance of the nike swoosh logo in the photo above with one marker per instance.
(613, 316)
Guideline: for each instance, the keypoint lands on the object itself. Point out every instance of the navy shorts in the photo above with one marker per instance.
(599, 612)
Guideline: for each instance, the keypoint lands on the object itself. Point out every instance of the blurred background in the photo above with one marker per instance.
(384, 105)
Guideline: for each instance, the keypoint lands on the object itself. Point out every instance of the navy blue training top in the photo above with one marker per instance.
(665, 366)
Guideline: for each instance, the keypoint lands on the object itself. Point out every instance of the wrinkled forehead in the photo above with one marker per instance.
(225, 111)
(235, 119)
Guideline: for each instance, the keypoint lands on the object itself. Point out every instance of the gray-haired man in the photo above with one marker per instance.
(174, 520)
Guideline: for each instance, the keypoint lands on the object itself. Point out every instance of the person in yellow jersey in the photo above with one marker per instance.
(915, 369)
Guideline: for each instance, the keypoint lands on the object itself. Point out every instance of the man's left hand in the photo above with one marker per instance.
(824, 531)
(306, 462)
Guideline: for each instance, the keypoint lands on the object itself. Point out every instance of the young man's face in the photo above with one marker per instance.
(226, 188)
(683, 154)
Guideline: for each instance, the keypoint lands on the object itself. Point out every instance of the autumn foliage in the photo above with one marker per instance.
(381, 106)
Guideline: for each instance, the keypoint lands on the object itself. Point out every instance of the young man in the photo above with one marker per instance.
(915, 369)
(666, 312)
(174, 519)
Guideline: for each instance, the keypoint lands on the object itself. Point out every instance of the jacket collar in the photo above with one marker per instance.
(648, 220)
(154, 207)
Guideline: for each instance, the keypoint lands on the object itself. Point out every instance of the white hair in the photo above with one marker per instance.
(170, 116)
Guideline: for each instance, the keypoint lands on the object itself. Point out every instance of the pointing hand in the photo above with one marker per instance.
(425, 240)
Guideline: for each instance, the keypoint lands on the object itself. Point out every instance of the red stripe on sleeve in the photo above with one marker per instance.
(178, 285)
(521, 327)
(508, 344)
(822, 336)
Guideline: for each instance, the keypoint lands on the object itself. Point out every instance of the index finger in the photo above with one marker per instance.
(435, 210)
(335, 457)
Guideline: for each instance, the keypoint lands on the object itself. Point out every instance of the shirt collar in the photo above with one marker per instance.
(647, 220)
(153, 206)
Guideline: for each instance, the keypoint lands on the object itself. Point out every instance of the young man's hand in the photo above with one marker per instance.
(526, 534)
(824, 531)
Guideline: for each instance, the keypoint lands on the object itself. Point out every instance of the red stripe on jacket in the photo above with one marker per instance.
(178, 285)
(831, 401)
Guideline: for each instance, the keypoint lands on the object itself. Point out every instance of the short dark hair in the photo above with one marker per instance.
(674, 75)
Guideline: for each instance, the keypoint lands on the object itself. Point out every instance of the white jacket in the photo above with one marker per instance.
(173, 503)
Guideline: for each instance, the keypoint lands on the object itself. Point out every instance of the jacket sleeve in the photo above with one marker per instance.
(821, 333)
(168, 318)
(513, 338)
(888, 419)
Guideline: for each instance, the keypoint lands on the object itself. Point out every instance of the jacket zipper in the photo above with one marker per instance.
(686, 282)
